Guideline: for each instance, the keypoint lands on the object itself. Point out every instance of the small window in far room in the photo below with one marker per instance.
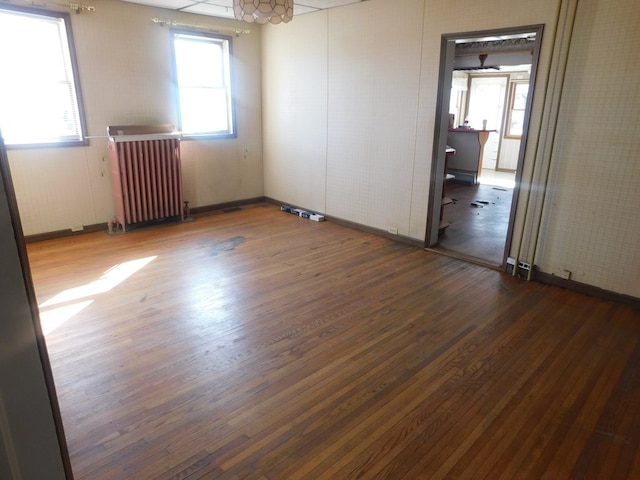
(39, 94)
(517, 106)
(203, 80)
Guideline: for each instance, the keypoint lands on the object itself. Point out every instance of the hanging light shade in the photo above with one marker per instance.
(263, 11)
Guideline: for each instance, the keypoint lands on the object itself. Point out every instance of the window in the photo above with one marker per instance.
(203, 79)
(517, 106)
(39, 99)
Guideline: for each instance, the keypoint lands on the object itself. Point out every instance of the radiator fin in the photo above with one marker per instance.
(147, 179)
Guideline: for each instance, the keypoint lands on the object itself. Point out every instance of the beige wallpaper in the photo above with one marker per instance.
(382, 70)
(382, 79)
(372, 106)
(348, 98)
(125, 69)
(591, 224)
(295, 90)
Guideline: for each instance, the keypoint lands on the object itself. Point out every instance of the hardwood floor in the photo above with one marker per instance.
(260, 345)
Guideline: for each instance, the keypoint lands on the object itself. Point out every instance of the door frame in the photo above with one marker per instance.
(447, 58)
(45, 449)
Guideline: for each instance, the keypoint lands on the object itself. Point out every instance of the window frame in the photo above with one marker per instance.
(512, 99)
(75, 77)
(231, 110)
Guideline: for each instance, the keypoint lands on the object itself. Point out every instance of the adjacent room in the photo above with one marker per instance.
(167, 316)
(487, 105)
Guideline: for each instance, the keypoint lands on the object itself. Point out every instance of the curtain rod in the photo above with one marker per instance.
(173, 23)
(76, 7)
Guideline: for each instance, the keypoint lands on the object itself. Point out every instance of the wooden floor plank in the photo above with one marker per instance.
(259, 345)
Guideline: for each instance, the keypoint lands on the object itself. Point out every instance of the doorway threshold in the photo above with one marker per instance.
(465, 258)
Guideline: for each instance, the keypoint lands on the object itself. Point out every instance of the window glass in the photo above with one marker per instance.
(518, 105)
(38, 89)
(203, 78)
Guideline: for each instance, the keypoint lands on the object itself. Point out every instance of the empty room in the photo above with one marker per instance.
(224, 254)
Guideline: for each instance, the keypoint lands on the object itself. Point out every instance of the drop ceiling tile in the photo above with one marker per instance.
(325, 3)
(224, 8)
(214, 10)
(222, 3)
(301, 9)
(170, 4)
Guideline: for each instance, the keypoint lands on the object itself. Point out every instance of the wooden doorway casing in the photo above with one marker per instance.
(447, 58)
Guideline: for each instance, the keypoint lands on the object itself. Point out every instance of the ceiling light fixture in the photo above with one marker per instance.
(263, 11)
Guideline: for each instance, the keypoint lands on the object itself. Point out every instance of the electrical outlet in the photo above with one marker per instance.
(524, 266)
(521, 265)
(392, 230)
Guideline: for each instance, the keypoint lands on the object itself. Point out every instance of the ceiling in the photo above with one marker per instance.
(224, 8)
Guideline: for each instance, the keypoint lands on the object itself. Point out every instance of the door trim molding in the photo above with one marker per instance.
(447, 57)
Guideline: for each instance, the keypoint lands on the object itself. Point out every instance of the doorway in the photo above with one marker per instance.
(486, 97)
(484, 100)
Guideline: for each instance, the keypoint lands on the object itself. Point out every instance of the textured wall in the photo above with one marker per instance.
(349, 100)
(591, 224)
(381, 85)
(125, 67)
(295, 141)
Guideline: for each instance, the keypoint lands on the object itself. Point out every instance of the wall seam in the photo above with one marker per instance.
(326, 141)
(417, 125)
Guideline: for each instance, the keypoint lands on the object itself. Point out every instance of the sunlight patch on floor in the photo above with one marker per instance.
(499, 179)
(52, 318)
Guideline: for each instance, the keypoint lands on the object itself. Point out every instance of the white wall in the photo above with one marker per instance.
(381, 77)
(295, 94)
(372, 107)
(591, 223)
(125, 67)
(349, 111)
(380, 85)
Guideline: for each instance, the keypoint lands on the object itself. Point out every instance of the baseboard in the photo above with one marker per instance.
(39, 237)
(538, 276)
(376, 231)
(357, 226)
(226, 205)
(585, 289)
(99, 227)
